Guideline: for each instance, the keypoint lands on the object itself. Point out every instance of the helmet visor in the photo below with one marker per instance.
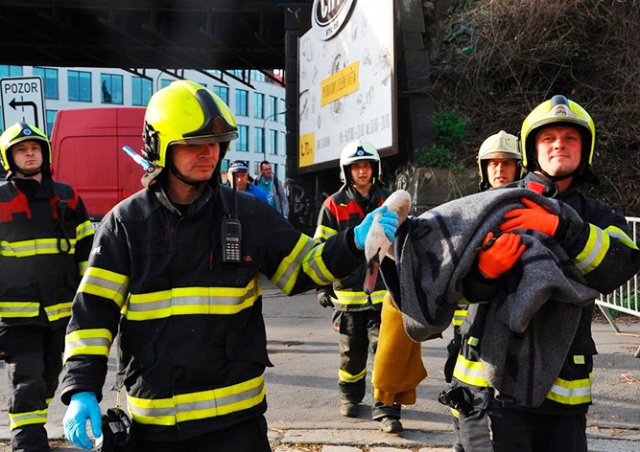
(207, 140)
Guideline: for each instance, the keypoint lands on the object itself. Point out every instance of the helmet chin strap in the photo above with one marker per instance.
(29, 173)
(557, 178)
(175, 172)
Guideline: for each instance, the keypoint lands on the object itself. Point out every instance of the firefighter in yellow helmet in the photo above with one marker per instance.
(46, 238)
(175, 272)
(558, 139)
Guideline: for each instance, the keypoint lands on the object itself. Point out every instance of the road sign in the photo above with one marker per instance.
(23, 101)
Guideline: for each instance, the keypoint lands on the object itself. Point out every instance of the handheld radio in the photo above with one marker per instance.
(231, 233)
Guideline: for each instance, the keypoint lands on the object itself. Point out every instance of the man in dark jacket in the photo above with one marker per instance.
(271, 185)
(558, 141)
(175, 270)
(46, 238)
(356, 315)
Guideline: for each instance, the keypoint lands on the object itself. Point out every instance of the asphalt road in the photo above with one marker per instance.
(302, 387)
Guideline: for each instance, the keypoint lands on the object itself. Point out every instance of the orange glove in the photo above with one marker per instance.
(499, 255)
(533, 216)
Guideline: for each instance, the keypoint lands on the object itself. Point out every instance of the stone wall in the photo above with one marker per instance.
(429, 187)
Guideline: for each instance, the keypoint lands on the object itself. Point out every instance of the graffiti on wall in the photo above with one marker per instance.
(301, 205)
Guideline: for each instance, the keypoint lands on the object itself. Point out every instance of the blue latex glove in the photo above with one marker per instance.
(388, 221)
(83, 406)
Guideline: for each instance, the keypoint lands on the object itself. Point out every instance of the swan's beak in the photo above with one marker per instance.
(371, 275)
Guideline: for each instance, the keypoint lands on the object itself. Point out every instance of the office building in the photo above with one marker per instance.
(256, 99)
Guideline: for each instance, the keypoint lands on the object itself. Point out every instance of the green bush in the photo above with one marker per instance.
(449, 129)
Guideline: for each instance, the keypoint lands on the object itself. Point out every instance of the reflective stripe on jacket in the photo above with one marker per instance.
(45, 239)
(347, 208)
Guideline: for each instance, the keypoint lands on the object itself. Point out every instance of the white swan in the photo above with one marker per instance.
(377, 244)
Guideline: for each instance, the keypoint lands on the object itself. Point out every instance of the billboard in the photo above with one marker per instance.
(346, 80)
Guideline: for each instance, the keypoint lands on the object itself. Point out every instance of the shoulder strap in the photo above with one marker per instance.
(65, 192)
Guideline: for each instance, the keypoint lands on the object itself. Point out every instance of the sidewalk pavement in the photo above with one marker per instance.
(303, 406)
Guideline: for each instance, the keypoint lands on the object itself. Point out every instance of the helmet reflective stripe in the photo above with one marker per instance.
(21, 131)
(215, 124)
(558, 111)
(501, 145)
(359, 151)
(186, 112)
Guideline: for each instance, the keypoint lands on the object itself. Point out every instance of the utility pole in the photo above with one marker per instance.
(264, 128)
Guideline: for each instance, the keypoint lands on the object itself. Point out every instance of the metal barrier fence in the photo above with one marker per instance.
(626, 298)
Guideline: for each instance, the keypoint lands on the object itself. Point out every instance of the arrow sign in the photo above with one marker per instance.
(23, 101)
(31, 104)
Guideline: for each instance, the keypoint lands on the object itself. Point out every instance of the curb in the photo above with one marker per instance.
(409, 439)
(356, 440)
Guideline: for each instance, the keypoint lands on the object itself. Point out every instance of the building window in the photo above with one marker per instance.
(222, 92)
(282, 144)
(242, 102)
(164, 82)
(242, 143)
(10, 71)
(111, 87)
(258, 105)
(283, 107)
(272, 143)
(272, 108)
(51, 116)
(141, 90)
(79, 84)
(257, 76)
(50, 79)
(258, 140)
(225, 166)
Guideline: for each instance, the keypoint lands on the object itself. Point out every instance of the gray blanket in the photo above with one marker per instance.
(528, 334)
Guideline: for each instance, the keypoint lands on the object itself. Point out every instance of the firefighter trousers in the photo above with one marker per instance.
(528, 432)
(359, 332)
(246, 436)
(33, 359)
(474, 427)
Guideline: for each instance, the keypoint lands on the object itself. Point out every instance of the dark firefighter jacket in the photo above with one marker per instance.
(347, 208)
(45, 239)
(192, 337)
(605, 256)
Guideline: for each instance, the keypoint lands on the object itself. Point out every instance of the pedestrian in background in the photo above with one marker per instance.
(238, 176)
(270, 183)
(46, 238)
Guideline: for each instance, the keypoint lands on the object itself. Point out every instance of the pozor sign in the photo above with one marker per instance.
(23, 101)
